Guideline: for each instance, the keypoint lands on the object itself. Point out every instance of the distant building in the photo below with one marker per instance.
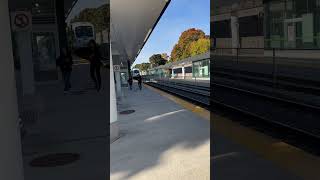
(266, 24)
(238, 24)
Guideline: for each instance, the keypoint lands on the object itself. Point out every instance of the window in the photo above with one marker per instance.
(221, 29)
(84, 31)
(201, 69)
(188, 69)
(251, 26)
(177, 71)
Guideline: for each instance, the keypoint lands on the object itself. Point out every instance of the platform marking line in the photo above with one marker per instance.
(157, 117)
(286, 156)
(221, 156)
(187, 105)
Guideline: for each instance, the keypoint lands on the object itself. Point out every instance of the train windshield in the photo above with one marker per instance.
(135, 71)
(84, 31)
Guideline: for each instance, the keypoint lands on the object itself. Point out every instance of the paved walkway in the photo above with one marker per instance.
(73, 123)
(161, 140)
(233, 161)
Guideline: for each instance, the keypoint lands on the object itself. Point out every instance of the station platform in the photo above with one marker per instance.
(169, 138)
(74, 123)
(160, 140)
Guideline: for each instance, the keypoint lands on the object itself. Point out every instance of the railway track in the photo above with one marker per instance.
(274, 122)
(298, 117)
(195, 93)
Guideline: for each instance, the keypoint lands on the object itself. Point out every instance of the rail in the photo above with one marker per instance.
(292, 74)
(199, 94)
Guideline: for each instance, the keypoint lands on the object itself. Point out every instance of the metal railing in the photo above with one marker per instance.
(292, 74)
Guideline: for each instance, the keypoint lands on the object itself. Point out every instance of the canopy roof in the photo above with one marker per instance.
(132, 22)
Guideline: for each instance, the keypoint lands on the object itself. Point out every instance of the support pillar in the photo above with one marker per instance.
(118, 84)
(10, 152)
(61, 21)
(114, 129)
(183, 73)
(235, 34)
(172, 73)
(24, 42)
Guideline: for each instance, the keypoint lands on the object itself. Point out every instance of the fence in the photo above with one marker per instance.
(293, 74)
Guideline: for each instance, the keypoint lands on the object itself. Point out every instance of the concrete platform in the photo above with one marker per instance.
(161, 140)
(233, 161)
(169, 138)
(71, 123)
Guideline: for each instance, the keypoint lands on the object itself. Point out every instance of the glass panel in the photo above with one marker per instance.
(44, 56)
(84, 31)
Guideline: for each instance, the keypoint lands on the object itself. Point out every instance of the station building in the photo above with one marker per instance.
(292, 24)
(287, 24)
(196, 67)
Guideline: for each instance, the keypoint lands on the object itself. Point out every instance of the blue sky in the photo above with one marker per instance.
(179, 16)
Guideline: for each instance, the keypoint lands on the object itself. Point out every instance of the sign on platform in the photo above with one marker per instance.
(21, 20)
(116, 68)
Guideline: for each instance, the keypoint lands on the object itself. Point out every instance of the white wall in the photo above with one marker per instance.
(113, 99)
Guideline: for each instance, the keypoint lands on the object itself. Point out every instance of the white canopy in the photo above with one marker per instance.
(132, 23)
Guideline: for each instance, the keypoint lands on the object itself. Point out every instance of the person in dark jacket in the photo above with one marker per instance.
(95, 64)
(65, 63)
(130, 81)
(139, 78)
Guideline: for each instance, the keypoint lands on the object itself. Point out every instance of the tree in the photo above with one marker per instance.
(142, 66)
(99, 17)
(165, 56)
(181, 50)
(199, 47)
(157, 60)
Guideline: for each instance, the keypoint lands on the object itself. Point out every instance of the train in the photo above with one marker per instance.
(83, 33)
(135, 72)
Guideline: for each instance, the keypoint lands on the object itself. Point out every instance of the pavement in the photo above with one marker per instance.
(161, 140)
(169, 138)
(70, 123)
(234, 161)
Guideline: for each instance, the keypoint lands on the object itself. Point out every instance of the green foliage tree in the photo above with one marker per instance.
(200, 46)
(181, 50)
(157, 60)
(142, 66)
(99, 17)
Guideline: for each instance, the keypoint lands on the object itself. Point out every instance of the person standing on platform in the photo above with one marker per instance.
(139, 78)
(130, 81)
(95, 64)
(65, 63)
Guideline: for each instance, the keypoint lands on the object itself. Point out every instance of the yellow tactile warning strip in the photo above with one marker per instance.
(288, 157)
(187, 105)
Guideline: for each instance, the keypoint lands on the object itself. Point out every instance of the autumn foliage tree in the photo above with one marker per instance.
(191, 42)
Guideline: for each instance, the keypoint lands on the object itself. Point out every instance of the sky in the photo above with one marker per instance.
(179, 16)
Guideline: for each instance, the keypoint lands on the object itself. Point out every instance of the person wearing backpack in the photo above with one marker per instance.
(95, 64)
(130, 81)
(65, 63)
